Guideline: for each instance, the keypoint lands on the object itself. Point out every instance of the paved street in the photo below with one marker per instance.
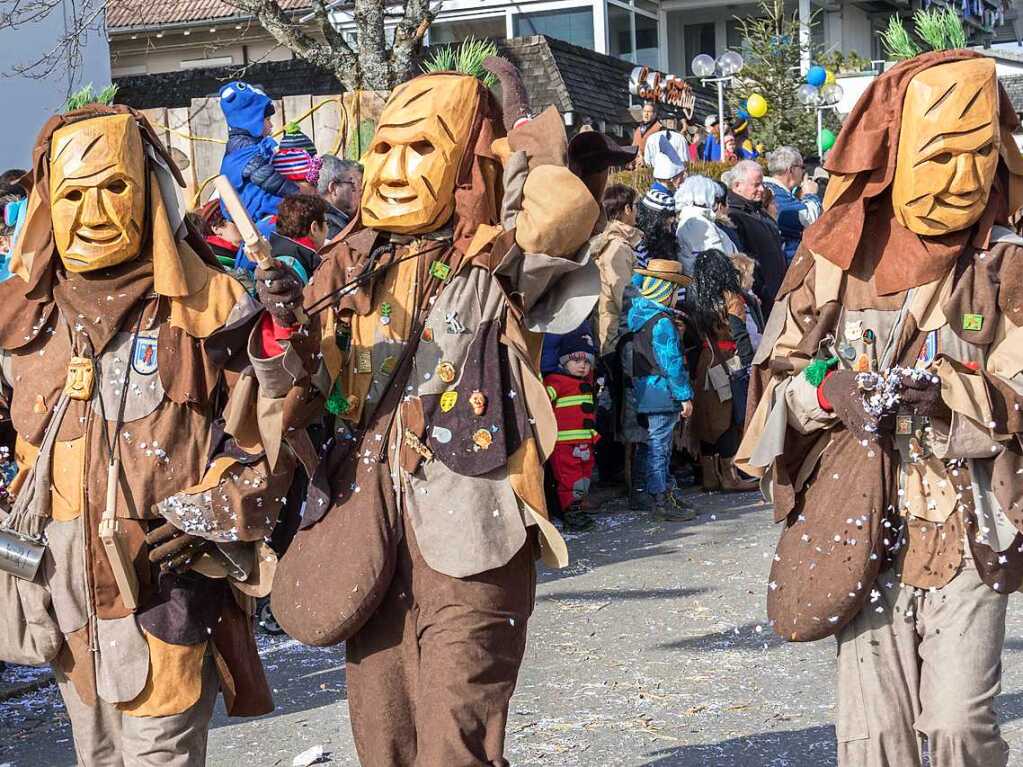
(651, 649)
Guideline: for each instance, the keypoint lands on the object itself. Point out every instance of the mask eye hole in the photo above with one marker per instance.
(75, 195)
(985, 150)
(421, 147)
(942, 159)
(117, 186)
(382, 148)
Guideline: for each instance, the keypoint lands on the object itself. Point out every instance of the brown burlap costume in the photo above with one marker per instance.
(936, 504)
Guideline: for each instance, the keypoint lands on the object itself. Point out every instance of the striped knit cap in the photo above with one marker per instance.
(654, 288)
(293, 164)
(294, 138)
(659, 200)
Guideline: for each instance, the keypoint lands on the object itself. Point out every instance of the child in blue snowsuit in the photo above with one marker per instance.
(250, 150)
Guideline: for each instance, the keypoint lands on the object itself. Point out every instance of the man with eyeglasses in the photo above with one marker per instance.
(795, 194)
(340, 185)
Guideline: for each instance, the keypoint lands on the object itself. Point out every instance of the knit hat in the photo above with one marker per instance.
(659, 280)
(293, 164)
(294, 138)
(659, 198)
(576, 343)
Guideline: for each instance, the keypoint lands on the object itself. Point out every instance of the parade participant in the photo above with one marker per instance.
(132, 382)
(422, 523)
(885, 416)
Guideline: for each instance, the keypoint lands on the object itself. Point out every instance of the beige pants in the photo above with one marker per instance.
(104, 737)
(918, 664)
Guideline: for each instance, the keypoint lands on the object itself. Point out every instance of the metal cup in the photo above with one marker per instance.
(20, 556)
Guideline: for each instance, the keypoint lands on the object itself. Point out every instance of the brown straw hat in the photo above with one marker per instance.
(665, 269)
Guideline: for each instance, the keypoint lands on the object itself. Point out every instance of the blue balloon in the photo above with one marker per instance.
(817, 76)
(743, 114)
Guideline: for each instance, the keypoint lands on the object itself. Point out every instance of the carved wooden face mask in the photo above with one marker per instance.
(411, 167)
(97, 192)
(948, 147)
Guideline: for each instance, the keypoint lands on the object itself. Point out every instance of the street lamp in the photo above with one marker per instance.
(820, 100)
(721, 73)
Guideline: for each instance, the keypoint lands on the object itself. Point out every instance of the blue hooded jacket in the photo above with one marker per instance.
(794, 215)
(664, 392)
(246, 162)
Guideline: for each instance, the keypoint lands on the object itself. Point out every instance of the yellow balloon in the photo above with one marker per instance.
(829, 77)
(756, 105)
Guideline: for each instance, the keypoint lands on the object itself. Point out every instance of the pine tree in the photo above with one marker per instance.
(772, 54)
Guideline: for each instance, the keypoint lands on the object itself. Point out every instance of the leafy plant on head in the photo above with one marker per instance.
(939, 29)
(467, 59)
(86, 95)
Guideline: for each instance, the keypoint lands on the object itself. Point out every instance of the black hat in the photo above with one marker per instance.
(592, 152)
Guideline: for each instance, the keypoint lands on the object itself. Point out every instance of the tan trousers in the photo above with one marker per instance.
(430, 676)
(104, 737)
(918, 664)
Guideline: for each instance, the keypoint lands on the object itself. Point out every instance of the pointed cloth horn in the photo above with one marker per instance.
(516, 100)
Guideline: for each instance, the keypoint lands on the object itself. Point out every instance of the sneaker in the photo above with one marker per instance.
(667, 509)
(577, 521)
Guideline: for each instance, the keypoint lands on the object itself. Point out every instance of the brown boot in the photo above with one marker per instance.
(731, 481)
(709, 467)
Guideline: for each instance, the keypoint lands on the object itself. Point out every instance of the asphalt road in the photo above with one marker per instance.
(651, 649)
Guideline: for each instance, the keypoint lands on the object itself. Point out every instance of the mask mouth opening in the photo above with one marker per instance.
(98, 235)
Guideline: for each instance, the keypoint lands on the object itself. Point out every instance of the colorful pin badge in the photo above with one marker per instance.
(482, 439)
(439, 270)
(869, 336)
(387, 366)
(446, 372)
(448, 400)
(385, 314)
(428, 335)
(973, 321)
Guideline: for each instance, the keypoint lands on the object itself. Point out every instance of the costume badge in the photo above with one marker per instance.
(903, 425)
(388, 365)
(478, 402)
(143, 361)
(363, 361)
(853, 330)
(482, 439)
(973, 321)
(448, 400)
(439, 270)
(446, 372)
(79, 382)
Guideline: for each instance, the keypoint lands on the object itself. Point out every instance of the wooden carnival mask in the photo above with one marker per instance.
(97, 192)
(948, 147)
(411, 166)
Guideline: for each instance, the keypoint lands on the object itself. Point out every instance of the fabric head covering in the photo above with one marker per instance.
(654, 288)
(245, 107)
(859, 224)
(294, 138)
(659, 198)
(696, 190)
(293, 164)
(577, 342)
(667, 165)
(170, 264)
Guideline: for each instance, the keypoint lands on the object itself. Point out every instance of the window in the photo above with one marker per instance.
(221, 61)
(455, 31)
(631, 33)
(646, 41)
(698, 38)
(573, 25)
(619, 32)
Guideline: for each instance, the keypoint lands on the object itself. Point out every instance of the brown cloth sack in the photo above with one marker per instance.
(833, 545)
(341, 562)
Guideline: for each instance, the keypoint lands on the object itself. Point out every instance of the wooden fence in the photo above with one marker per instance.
(197, 134)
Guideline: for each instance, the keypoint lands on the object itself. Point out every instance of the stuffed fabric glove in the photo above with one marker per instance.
(174, 550)
(840, 394)
(923, 397)
(280, 291)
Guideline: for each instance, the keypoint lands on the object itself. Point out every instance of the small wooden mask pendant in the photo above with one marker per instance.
(80, 378)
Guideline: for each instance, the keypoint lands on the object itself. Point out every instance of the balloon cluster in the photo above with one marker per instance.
(820, 90)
